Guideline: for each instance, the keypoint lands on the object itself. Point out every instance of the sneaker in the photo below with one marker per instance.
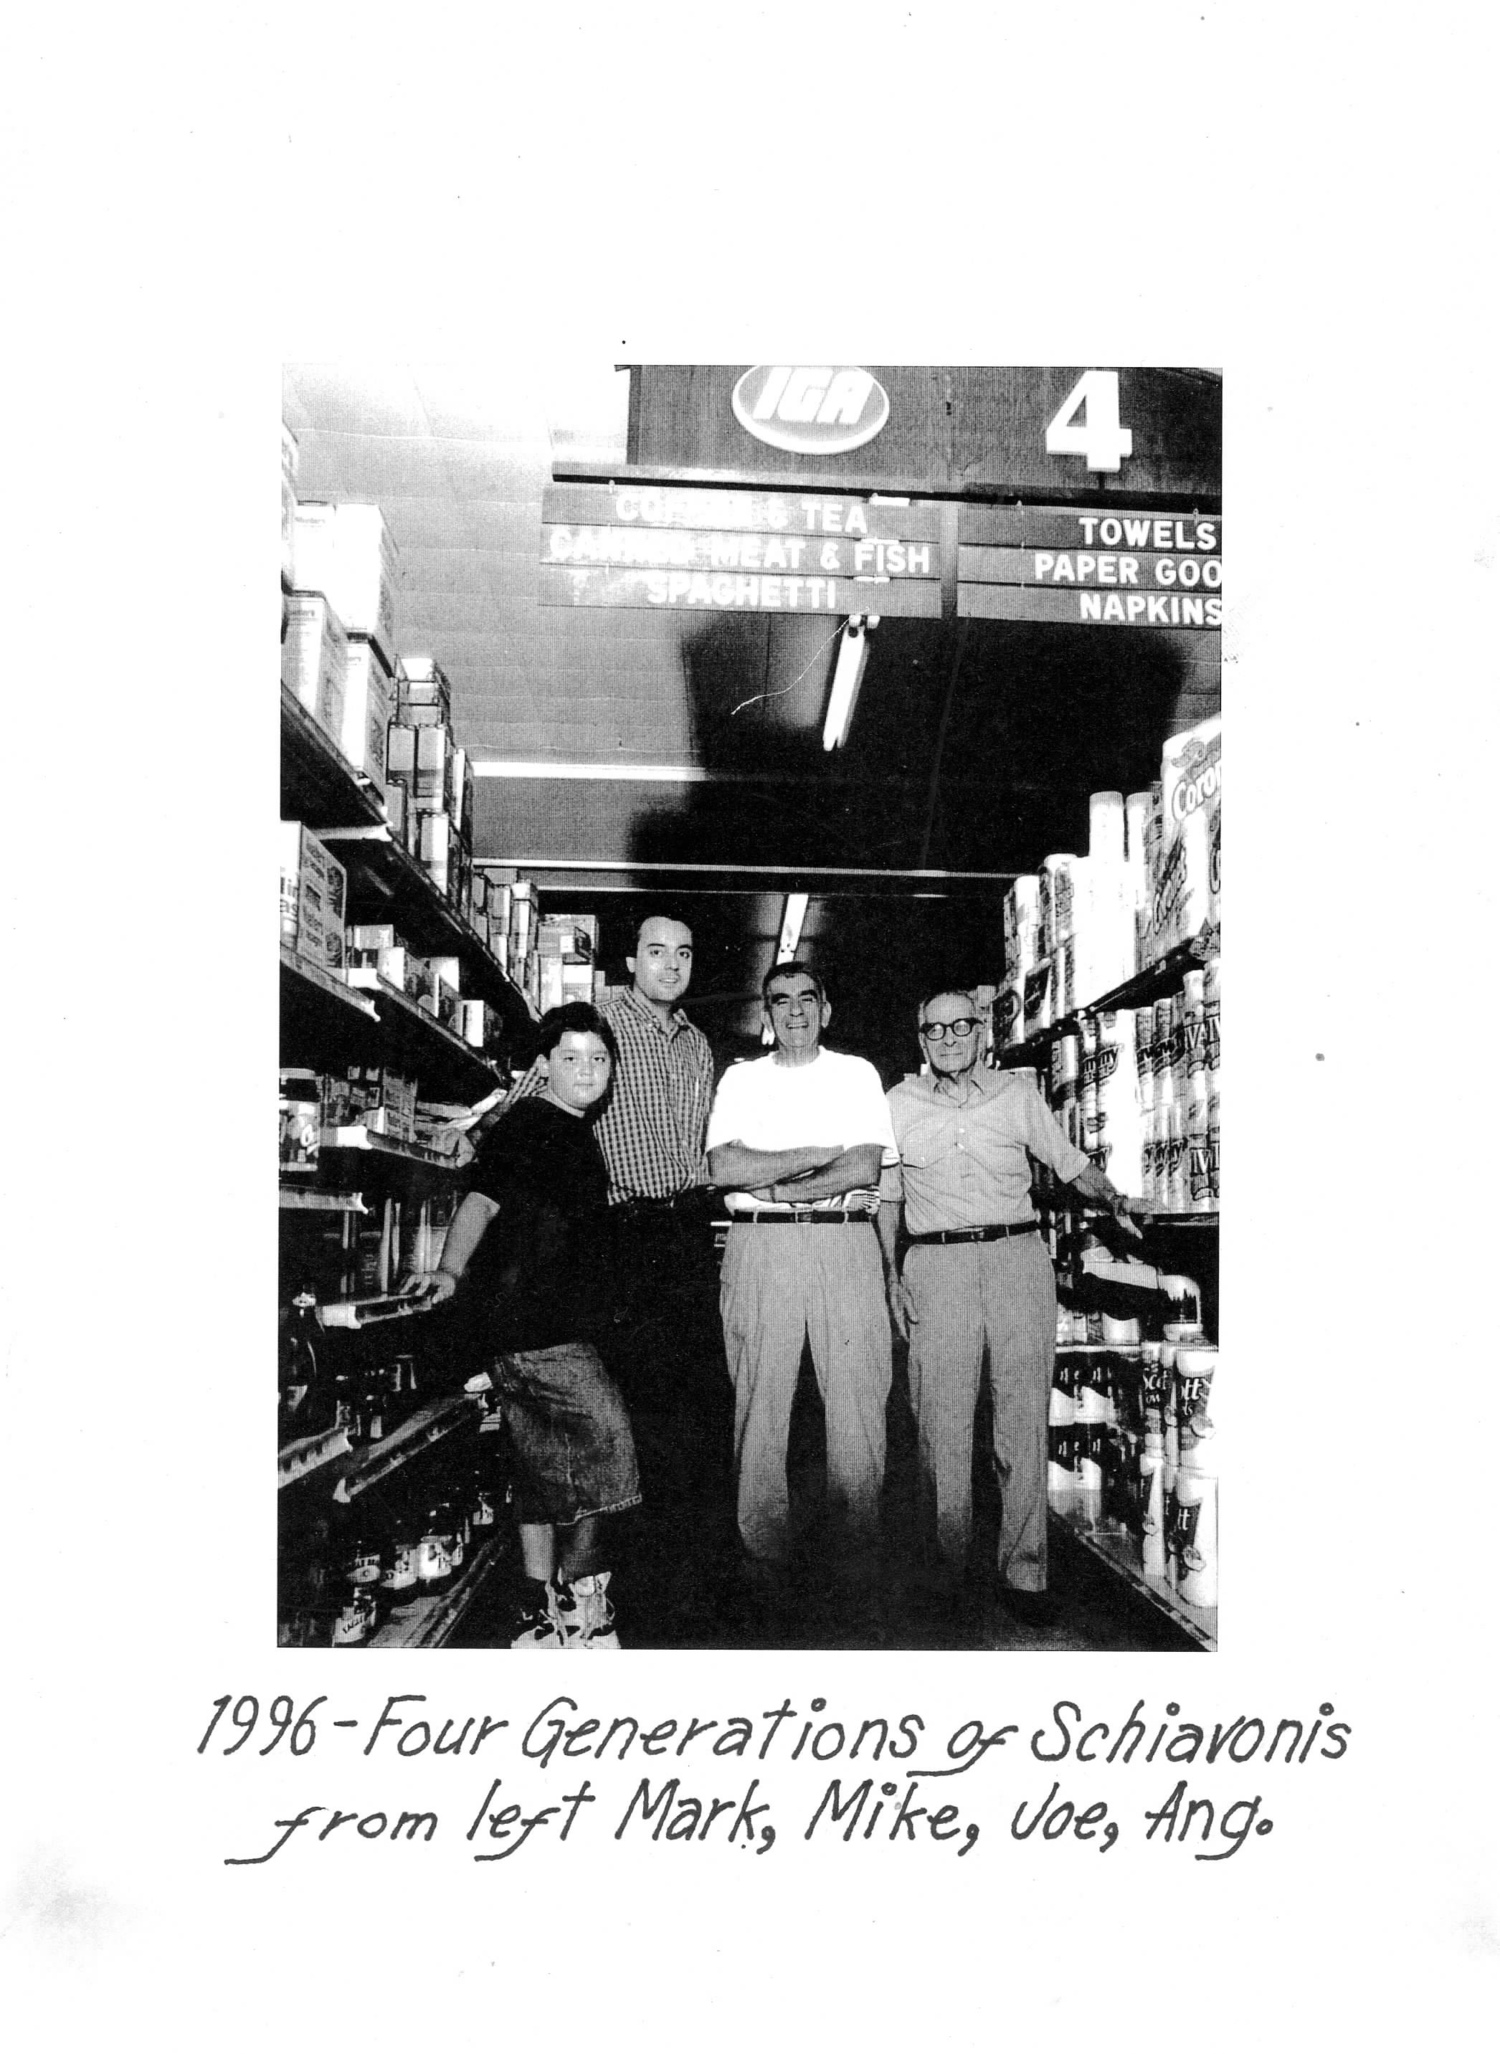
(585, 1613)
(536, 1623)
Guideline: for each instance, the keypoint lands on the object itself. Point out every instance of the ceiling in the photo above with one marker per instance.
(680, 756)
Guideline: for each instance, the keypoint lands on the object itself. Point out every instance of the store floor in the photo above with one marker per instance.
(668, 1596)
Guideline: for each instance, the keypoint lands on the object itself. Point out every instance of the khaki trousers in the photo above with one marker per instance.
(779, 1285)
(979, 1302)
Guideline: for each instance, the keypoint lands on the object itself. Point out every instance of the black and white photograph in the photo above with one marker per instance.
(821, 763)
(740, 499)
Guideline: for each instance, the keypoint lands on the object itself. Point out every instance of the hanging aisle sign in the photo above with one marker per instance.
(736, 552)
(703, 548)
(1097, 568)
(1131, 435)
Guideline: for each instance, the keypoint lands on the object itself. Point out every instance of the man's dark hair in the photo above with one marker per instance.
(574, 1018)
(672, 913)
(787, 970)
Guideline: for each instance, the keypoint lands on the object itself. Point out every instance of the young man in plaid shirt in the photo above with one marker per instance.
(666, 1352)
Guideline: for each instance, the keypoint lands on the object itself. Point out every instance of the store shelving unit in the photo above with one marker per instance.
(1190, 1236)
(299, 1458)
(330, 1021)
(429, 1622)
(1200, 1623)
(358, 1315)
(1157, 980)
(365, 1141)
(318, 784)
(297, 1198)
(373, 1461)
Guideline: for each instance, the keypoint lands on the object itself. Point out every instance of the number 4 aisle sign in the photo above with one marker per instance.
(1087, 424)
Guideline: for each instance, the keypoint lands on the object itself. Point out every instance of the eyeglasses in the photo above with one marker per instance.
(959, 1029)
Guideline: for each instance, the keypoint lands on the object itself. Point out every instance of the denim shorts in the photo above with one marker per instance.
(571, 1434)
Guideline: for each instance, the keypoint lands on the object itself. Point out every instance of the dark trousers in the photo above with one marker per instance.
(665, 1350)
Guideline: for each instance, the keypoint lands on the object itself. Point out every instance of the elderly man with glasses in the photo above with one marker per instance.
(976, 1286)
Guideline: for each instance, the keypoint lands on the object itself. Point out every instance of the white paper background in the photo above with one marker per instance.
(1264, 191)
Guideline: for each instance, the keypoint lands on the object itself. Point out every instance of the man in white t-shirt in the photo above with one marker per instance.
(797, 1140)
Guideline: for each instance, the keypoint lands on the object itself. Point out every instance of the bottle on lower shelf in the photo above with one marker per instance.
(1132, 1459)
(305, 1403)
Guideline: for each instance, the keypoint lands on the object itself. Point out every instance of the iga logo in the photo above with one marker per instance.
(818, 409)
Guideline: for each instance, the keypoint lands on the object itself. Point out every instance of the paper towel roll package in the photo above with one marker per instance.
(1195, 1538)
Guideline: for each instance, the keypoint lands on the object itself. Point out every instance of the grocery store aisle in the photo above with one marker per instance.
(1096, 1611)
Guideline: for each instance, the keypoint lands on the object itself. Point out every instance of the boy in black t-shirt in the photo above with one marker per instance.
(531, 1241)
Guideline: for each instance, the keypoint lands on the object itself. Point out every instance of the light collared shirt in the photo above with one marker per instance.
(652, 1130)
(966, 1147)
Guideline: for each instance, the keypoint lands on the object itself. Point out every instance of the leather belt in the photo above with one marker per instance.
(799, 1216)
(976, 1233)
(693, 1203)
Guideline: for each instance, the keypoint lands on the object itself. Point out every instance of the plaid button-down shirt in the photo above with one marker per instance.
(653, 1128)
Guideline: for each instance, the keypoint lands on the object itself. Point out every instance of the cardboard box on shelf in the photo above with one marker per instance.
(438, 988)
(320, 936)
(396, 966)
(314, 659)
(314, 889)
(401, 755)
(460, 792)
(382, 1100)
(422, 687)
(438, 850)
(400, 967)
(367, 708)
(344, 549)
(298, 1104)
(401, 776)
(396, 808)
(422, 716)
(475, 1021)
(571, 936)
(434, 745)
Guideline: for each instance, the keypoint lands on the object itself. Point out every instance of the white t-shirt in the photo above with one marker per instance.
(835, 1101)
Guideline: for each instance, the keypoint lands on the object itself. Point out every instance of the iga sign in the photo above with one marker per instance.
(817, 409)
(1137, 435)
